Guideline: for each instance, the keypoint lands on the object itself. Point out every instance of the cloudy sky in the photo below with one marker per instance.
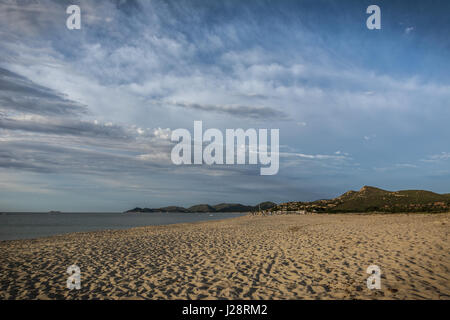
(86, 115)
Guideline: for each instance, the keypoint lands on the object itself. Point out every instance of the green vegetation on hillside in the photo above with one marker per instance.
(371, 199)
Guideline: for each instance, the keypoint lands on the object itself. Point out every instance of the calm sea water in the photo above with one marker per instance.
(34, 225)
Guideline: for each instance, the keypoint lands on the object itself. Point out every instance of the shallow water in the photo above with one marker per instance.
(15, 226)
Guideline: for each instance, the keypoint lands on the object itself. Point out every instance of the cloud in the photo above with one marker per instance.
(370, 137)
(316, 156)
(30, 17)
(22, 95)
(408, 30)
(235, 110)
(59, 126)
(443, 156)
(44, 132)
(42, 156)
(405, 165)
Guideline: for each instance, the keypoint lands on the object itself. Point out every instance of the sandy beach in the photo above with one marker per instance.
(251, 257)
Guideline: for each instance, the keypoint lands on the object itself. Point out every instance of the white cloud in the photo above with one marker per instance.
(370, 137)
(408, 30)
(443, 156)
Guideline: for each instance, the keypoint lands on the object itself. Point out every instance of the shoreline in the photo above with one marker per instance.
(206, 218)
(248, 257)
(93, 232)
(248, 214)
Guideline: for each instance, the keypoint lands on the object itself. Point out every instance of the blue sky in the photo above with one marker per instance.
(86, 115)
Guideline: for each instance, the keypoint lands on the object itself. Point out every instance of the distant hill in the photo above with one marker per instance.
(173, 209)
(371, 199)
(265, 205)
(137, 209)
(201, 208)
(232, 207)
(221, 207)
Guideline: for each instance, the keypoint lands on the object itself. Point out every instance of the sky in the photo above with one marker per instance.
(86, 115)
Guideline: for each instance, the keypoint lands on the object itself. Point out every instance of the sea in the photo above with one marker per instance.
(14, 226)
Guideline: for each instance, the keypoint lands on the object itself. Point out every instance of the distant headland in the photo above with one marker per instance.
(370, 199)
(367, 199)
(221, 207)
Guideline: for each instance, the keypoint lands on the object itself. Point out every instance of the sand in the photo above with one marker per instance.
(275, 257)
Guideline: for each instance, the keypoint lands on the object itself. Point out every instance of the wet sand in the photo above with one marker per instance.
(275, 257)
